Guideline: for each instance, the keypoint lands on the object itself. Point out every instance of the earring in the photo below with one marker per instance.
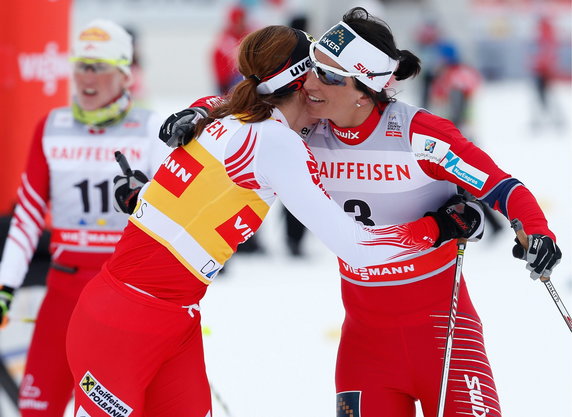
(358, 105)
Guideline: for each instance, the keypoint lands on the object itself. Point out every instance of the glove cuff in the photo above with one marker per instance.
(444, 228)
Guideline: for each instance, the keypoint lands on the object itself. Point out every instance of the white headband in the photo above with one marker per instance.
(285, 77)
(355, 54)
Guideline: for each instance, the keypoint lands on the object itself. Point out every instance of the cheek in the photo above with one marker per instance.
(113, 84)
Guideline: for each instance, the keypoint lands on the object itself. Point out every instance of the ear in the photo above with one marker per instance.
(390, 81)
(363, 100)
(127, 80)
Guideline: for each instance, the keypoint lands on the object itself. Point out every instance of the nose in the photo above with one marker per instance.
(310, 80)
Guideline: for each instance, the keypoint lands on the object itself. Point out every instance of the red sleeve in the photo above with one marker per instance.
(208, 102)
(462, 163)
(523, 206)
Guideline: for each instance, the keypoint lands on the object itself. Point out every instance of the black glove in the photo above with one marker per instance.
(6, 296)
(459, 218)
(179, 128)
(541, 257)
(126, 189)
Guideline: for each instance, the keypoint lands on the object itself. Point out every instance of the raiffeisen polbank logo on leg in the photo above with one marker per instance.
(104, 398)
(337, 39)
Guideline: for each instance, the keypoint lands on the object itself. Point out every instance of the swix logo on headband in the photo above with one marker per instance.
(337, 39)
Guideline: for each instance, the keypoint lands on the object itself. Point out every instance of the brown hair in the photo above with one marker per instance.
(259, 54)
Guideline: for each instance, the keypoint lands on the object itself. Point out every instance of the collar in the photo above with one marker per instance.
(105, 116)
(279, 117)
(358, 134)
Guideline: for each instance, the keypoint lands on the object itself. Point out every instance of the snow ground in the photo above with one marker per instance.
(274, 320)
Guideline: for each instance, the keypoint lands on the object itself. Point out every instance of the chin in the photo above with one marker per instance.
(314, 111)
(88, 105)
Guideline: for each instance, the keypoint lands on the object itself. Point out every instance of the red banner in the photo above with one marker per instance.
(33, 79)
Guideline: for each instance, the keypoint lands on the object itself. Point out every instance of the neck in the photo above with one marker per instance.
(356, 117)
(295, 112)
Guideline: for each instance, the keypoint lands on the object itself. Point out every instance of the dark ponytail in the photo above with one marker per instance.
(379, 34)
(409, 65)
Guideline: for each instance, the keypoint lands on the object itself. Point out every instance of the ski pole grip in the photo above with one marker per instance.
(123, 164)
(523, 239)
(520, 235)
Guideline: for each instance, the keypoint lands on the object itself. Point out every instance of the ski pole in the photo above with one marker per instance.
(124, 165)
(461, 244)
(523, 239)
(219, 399)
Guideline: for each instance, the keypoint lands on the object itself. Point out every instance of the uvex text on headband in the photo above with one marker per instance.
(353, 53)
(288, 77)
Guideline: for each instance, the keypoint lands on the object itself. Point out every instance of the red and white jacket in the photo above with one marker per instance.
(400, 164)
(70, 172)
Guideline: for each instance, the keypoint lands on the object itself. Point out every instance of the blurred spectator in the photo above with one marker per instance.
(451, 96)
(227, 75)
(428, 38)
(224, 53)
(453, 86)
(545, 71)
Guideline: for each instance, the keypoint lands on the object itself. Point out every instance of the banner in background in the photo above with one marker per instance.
(34, 43)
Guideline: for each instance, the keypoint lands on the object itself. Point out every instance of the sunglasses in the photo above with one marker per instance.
(334, 76)
(97, 67)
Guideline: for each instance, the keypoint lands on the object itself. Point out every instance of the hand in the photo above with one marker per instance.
(126, 190)
(6, 296)
(178, 129)
(541, 257)
(459, 218)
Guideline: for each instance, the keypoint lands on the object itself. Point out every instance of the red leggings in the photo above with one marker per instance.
(392, 348)
(47, 383)
(136, 355)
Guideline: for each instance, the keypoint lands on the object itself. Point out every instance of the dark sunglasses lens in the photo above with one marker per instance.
(330, 78)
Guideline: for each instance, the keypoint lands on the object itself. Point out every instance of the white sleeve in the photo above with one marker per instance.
(285, 164)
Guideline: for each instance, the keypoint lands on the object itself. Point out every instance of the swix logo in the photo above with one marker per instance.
(239, 227)
(178, 171)
(363, 69)
(300, 68)
(48, 67)
(348, 134)
(477, 403)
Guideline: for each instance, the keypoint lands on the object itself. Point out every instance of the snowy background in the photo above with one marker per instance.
(274, 321)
